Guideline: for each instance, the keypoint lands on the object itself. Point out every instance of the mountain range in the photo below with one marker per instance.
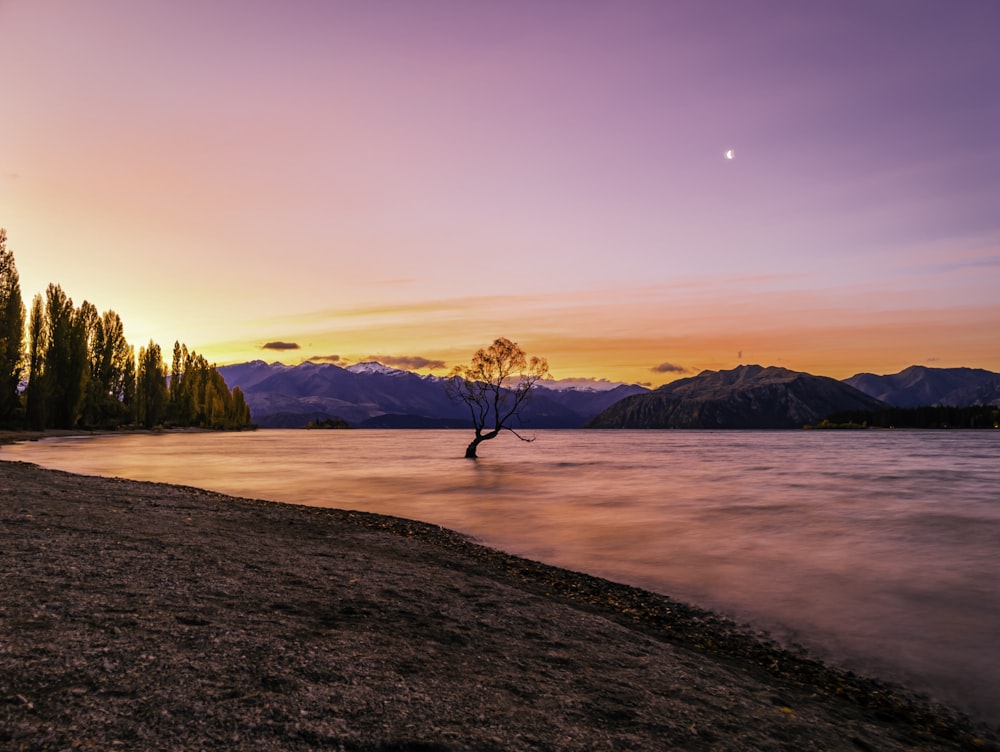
(746, 397)
(372, 395)
(919, 386)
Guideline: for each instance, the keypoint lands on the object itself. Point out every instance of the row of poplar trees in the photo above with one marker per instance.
(80, 371)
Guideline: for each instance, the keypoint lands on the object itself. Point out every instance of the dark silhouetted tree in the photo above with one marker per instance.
(88, 324)
(181, 409)
(176, 370)
(112, 374)
(38, 343)
(129, 385)
(151, 387)
(66, 365)
(11, 334)
(82, 371)
(199, 395)
(239, 416)
(495, 388)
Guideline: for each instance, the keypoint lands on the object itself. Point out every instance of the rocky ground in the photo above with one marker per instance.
(138, 616)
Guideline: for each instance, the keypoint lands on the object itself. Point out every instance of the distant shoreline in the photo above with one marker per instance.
(14, 437)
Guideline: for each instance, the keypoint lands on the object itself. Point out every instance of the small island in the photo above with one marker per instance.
(328, 423)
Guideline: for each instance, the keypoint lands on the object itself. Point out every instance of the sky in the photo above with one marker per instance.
(407, 180)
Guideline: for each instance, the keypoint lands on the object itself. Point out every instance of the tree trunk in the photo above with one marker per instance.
(470, 451)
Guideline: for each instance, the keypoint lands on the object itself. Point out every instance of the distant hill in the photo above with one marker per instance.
(749, 396)
(372, 395)
(920, 386)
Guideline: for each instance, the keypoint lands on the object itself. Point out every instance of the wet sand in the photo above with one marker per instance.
(146, 616)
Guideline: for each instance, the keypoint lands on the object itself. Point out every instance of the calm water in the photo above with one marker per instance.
(879, 551)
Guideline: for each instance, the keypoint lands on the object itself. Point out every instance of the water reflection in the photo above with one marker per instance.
(877, 548)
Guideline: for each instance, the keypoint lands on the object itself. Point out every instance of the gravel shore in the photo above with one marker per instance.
(141, 616)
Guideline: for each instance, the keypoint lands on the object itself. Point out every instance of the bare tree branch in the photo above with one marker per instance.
(495, 386)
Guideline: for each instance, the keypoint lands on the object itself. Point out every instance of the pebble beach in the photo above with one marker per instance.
(147, 616)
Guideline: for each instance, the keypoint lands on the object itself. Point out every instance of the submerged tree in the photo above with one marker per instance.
(495, 388)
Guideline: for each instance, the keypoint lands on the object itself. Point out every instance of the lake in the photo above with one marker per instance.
(877, 550)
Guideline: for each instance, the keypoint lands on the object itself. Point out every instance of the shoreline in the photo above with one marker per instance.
(11, 436)
(104, 572)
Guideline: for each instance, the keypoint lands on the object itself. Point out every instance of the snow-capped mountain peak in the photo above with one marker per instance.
(374, 367)
(580, 385)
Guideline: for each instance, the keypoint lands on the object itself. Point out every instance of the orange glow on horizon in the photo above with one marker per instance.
(412, 185)
(629, 344)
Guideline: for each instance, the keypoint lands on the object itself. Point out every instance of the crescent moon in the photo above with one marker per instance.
(729, 154)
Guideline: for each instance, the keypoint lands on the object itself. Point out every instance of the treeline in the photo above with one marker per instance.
(976, 416)
(81, 372)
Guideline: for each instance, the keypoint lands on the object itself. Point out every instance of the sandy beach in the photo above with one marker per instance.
(143, 616)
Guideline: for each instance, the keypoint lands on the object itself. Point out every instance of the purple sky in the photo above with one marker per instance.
(414, 179)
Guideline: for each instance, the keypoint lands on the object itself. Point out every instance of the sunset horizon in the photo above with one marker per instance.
(635, 193)
(686, 429)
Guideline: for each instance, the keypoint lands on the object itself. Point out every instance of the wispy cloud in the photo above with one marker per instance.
(516, 306)
(988, 261)
(436, 307)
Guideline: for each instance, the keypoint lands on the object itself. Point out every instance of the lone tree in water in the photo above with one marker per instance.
(495, 387)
